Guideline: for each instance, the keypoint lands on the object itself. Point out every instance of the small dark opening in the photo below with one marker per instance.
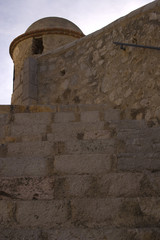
(37, 46)
(63, 72)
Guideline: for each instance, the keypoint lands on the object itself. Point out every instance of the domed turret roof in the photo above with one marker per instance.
(52, 23)
(48, 25)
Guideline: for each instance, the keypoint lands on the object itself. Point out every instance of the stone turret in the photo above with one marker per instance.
(42, 36)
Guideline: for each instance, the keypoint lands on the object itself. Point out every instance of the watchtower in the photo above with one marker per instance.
(42, 36)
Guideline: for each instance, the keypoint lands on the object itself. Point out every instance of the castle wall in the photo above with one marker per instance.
(94, 70)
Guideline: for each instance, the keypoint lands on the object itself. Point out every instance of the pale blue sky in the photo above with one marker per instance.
(17, 15)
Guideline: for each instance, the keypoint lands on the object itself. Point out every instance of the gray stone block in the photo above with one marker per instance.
(42, 213)
(112, 115)
(24, 166)
(29, 149)
(90, 116)
(73, 130)
(64, 117)
(138, 162)
(14, 233)
(27, 188)
(7, 209)
(83, 163)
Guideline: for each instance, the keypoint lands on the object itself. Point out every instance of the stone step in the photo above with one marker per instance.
(139, 161)
(50, 148)
(129, 124)
(79, 233)
(80, 186)
(86, 212)
(78, 130)
(30, 119)
(30, 149)
(25, 166)
(84, 146)
(83, 163)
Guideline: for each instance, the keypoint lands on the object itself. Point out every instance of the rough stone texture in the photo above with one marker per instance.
(83, 175)
(88, 168)
(94, 70)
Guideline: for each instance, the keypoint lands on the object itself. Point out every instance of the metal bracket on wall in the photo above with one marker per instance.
(122, 45)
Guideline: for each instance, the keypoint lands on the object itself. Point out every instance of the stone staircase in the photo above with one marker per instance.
(78, 172)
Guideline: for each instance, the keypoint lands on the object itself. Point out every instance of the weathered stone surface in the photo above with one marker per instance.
(42, 213)
(84, 146)
(104, 233)
(29, 149)
(20, 233)
(88, 166)
(90, 116)
(28, 188)
(24, 166)
(83, 163)
(80, 234)
(38, 118)
(64, 117)
(74, 130)
(7, 212)
(94, 70)
(117, 212)
(138, 162)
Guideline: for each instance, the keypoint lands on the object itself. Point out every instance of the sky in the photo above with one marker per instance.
(17, 15)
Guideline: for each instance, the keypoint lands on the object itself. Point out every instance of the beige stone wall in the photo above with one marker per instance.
(78, 172)
(53, 41)
(94, 70)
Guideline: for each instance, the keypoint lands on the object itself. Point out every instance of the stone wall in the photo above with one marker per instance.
(75, 172)
(94, 70)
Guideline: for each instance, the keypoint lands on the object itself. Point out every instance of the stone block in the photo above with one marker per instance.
(24, 166)
(92, 107)
(29, 149)
(7, 209)
(116, 212)
(5, 109)
(4, 117)
(31, 130)
(90, 146)
(81, 233)
(67, 108)
(90, 116)
(73, 130)
(112, 115)
(27, 188)
(64, 117)
(138, 161)
(97, 134)
(130, 124)
(119, 185)
(3, 150)
(78, 185)
(42, 213)
(13, 233)
(30, 119)
(83, 163)
(95, 213)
